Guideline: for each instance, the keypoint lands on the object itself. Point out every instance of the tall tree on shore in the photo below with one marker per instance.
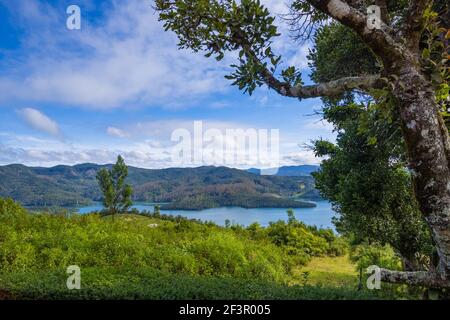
(410, 45)
(116, 193)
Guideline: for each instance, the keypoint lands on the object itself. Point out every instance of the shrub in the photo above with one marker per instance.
(45, 241)
(116, 283)
(382, 256)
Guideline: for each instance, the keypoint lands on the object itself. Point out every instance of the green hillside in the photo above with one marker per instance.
(183, 188)
(151, 257)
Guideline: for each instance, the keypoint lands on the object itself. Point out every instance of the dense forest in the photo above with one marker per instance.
(183, 188)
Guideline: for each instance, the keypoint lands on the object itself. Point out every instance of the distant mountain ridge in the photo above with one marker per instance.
(287, 171)
(181, 188)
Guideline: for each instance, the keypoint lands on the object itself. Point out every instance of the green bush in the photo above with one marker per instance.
(365, 255)
(45, 241)
(302, 240)
(338, 247)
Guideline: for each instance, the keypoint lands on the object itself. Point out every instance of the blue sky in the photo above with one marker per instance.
(120, 85)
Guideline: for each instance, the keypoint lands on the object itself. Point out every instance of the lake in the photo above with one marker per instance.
(319, 216)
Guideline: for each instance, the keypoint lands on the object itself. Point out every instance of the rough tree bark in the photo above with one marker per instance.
(427, 146)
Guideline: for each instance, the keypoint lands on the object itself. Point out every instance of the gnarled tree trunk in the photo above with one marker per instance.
(428, 144)
(426, 137)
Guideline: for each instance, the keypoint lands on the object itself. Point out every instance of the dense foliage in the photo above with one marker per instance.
(154, 256)
(39, 241)
(338, 53)
(365, 175)
(33, 244)
(366, 159)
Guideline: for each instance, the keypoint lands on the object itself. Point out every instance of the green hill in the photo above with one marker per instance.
(182, 188)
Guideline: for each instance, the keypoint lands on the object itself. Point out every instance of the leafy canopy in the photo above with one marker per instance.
(220, 26)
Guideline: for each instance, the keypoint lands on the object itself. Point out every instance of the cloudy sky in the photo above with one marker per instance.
(119, 85)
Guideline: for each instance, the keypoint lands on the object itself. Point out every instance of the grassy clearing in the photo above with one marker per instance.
(327, 271)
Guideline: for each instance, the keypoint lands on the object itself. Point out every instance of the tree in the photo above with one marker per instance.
(365, 178)
(157, 211)
(291, 216)
(364, 175)
(116, 193)
(403, 42)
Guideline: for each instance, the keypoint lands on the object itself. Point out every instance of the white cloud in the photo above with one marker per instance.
(150, 146)
(39, 121)
(116, 132)
(162, 129)
(299, 58)
(300, 158)
(276, 7)
(320, 124)
(146, 157)
(127, 59)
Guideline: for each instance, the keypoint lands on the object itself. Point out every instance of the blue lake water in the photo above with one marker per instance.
(319, 216)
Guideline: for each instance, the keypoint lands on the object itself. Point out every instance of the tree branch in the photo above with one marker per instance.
(337, 87)
(380, 40)
(416, 278)
(357, 4)
(327, 89)
(415, 22)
